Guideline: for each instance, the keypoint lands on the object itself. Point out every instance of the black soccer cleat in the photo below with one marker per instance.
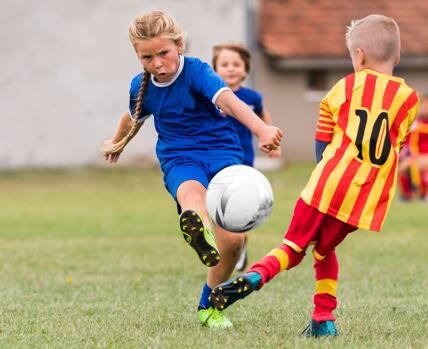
(230, 291)
(200, 239)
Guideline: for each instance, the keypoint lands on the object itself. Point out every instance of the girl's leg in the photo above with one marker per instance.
(191, 197)
(230, 245)
(194, 222)
(242, 261)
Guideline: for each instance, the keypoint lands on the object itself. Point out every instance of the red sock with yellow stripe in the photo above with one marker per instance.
(280, 258)
(326, 275)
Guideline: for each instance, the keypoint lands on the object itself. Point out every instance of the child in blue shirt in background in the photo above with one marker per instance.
(232, 63)
(195, 141)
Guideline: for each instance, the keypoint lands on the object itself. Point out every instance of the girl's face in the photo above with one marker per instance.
(231, 67)
(159, 57)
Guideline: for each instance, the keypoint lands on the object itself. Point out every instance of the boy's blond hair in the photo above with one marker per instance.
(156, 24)
(377, 35)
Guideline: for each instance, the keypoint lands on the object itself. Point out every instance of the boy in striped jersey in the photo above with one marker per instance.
(364, 121)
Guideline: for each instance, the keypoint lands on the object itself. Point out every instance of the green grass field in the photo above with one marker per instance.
(93, 258)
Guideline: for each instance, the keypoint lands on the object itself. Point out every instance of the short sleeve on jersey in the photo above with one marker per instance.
(207, 82)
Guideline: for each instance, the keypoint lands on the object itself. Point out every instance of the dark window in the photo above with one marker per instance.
(317, 80)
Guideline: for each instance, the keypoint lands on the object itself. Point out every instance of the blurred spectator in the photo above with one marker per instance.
(413, 166)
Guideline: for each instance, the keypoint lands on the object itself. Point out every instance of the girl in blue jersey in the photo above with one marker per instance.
(195, 141)
(232, 63)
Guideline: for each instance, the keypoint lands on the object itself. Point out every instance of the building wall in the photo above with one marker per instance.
(66, 68)
(295, 110)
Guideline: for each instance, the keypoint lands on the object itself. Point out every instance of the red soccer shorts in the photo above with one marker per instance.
(308, 225)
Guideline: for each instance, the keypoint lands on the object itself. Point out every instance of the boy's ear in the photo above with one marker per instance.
(360, 56)
(397, 60)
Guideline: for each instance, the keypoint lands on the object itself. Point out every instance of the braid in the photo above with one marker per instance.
(141, 91)
(119, 146)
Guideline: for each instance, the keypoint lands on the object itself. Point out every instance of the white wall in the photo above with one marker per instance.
(285, 95)
(66, 68)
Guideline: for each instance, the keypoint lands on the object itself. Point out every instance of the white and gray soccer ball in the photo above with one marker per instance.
(239, 198)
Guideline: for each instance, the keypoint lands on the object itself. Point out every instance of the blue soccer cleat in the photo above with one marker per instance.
(321, 329)
(230, 291)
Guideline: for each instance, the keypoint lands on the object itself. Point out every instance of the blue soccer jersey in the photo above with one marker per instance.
(186, 118)
(255, 101)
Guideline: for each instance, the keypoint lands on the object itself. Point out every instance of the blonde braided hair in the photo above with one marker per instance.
(119, 146)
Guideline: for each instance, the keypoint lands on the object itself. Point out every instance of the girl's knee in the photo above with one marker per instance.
(190, 195)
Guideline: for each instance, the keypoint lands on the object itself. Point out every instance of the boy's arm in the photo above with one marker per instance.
(319, 149)
(326, 124)
(325, 128)
(269, 136)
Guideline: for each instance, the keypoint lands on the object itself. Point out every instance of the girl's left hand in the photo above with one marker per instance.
(269, 138)
(275, 153)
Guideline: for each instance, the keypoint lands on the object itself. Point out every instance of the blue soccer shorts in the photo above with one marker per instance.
(182, 169)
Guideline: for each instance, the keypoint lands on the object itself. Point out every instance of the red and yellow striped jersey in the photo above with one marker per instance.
(365, 118)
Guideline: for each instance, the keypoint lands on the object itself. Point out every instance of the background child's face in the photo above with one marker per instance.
(159, 57)
(231, 67)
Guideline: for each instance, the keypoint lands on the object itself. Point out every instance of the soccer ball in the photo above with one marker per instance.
(239, 198)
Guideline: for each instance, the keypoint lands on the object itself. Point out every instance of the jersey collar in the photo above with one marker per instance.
(390, 77)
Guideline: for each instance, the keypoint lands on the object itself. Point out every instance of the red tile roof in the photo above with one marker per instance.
(316, 28)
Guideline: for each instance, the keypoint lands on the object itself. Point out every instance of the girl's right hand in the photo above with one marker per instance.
(106, 149)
